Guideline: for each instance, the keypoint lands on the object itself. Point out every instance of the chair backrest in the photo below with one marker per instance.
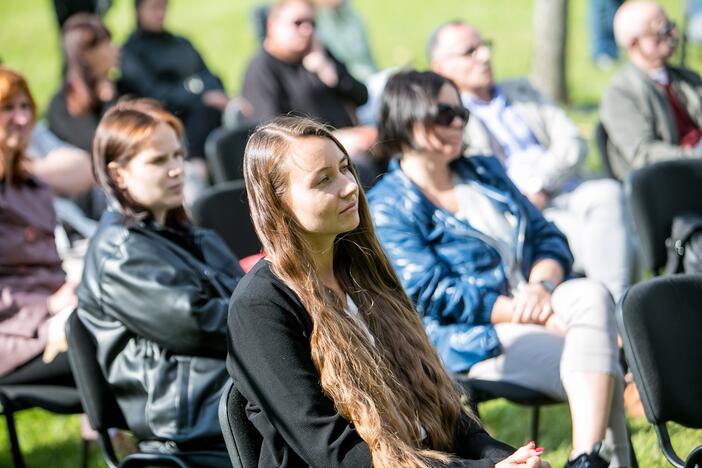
(601, 140)
(241, 437)
(98, 401)
(224, 151)
(225, 209)
(660, 323)
(658, 193)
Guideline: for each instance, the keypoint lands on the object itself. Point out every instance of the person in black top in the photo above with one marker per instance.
(323, 342)
(87, 90)
(155, 289)
(294, 74)
(160, 65)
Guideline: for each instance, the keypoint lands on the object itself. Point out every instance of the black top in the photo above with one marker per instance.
(274, 87)
(166, 67)
(271, 364)
(76, 130)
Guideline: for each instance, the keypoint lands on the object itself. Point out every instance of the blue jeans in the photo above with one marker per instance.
(601, 31)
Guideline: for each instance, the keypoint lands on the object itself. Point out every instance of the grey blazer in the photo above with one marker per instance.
(639, 121)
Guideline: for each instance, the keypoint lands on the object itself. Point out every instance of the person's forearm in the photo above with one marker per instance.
(503, 310)
(546, 269)
(66, 170)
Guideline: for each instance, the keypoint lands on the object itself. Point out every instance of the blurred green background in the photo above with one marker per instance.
(223, 32)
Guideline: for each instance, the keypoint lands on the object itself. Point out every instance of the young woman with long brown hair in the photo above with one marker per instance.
(324, 344)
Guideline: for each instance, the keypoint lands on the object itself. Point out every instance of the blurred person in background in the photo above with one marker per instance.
(651, 110)
(35, 297)
(158, 64)
(64, 9)
(294, 73)
(542, 151)
(342, 31)
(603, 46)
(86, 91)
(87, 88)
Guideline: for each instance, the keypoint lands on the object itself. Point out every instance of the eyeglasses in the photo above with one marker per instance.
(445, 114)
(299, 22)
(666, 31)
(470, 51)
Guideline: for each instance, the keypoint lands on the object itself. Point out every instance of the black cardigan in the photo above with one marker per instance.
(270, 361)
(274, 87)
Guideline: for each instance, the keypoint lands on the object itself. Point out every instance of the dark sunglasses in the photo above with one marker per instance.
(445, 114)
(301, 21)
(470, 51)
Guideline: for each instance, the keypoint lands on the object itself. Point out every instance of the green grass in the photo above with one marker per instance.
(50, 440)
(222, 30)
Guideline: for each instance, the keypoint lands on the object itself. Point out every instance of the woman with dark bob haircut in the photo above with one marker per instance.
(324, 344)
(488, 274)
(155, 288)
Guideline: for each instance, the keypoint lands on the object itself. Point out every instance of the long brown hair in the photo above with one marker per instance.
(124, 131)
(13, 166)
(389, 388)
(82, 32)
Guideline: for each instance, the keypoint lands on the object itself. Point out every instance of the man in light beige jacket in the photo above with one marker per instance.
(541, 150)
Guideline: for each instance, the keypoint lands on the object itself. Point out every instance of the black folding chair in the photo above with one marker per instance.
(99, 403)
(480, 391)
(601, 139)
(55, 398)
(241, 437)
(660, 322)
(658, 193)
(225, 209)
(224, 151)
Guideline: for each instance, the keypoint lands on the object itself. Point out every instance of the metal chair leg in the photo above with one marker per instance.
(535, 413)
(17, 459)
(84, 453)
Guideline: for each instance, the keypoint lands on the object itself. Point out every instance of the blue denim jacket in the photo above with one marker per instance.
(449, 269)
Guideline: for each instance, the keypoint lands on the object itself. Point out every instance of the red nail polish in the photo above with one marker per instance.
(539, 450)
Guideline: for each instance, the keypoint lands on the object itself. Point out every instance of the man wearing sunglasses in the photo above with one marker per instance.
(541, 150)
(652, 111)
(294, 73)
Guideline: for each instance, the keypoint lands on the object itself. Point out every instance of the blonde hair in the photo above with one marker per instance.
(388, 389)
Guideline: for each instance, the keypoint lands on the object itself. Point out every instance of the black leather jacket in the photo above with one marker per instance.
(156, 301)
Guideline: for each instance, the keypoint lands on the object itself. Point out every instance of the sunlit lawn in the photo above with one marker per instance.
(223, 32)
(54, 441)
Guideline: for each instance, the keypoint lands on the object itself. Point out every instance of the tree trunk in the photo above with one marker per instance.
(550, 33)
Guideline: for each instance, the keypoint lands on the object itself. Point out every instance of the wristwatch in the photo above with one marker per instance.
(548, 285)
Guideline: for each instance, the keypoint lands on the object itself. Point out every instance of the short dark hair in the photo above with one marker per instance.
(409, 97)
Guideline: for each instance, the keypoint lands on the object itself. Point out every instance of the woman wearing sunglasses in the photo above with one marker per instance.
(488, 274)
